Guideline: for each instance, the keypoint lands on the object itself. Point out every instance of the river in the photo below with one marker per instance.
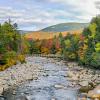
(52, 83)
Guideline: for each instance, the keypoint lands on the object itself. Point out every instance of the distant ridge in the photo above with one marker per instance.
(50, 32)
(65, 27)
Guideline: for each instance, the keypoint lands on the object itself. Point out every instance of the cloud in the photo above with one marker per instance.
(9, 12)
(97, 4)
(41, 13)
(84, 7)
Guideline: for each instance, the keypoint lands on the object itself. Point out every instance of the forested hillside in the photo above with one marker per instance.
(65, 27)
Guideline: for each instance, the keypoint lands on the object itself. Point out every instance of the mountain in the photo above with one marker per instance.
(65, 27)
(50, 32)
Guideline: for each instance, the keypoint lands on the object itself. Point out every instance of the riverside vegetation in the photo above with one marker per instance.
(10, 39)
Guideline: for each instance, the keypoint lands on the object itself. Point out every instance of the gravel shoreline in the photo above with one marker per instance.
(18, 74)
(82, 75)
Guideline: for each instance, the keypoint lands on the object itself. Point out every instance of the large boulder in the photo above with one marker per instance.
(84, 83)
(1, 90)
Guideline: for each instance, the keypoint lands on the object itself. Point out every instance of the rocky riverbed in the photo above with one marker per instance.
(48, 79)
(18, 74)
(82, 76)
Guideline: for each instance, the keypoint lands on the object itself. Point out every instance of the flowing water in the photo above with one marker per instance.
(52, 84)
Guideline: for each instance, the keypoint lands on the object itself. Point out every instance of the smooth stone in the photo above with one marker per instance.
(84, 83)
(1, 89)
(59, 86)
(14, 92)
(53, 99)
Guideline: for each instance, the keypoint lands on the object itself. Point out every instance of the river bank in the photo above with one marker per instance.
(18, 74)
(58, 74)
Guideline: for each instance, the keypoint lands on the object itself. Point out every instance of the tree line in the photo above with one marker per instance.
(83, 48)
(11, 43)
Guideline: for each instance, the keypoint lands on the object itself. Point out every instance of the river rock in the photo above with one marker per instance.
(59, 86)
(1, 89)
(53, 99)
(84, 83)
(70, 74)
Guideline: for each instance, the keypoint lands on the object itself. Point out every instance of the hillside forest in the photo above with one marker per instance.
(83, 48)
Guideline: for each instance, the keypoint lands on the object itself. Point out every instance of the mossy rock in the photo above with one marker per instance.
(85, 89)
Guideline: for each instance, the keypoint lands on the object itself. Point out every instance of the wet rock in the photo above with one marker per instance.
(82, 96)
(2, 98)
(14, 92)
(1, 89)
(53, 99)
(45, 75)
(59, 86)
(35, 78)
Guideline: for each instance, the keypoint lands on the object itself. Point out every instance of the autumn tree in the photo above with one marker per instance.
(71, 47)
(92, 36)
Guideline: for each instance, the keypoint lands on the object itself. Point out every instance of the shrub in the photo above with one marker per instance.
(11, 62)
(3, 67)
(72, 56)
(10, 58)
(96, 60)
(21, 58)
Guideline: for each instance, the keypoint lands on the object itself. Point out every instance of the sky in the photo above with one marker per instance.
(37, 14)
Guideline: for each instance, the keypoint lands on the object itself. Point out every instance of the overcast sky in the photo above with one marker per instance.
(37, 14)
